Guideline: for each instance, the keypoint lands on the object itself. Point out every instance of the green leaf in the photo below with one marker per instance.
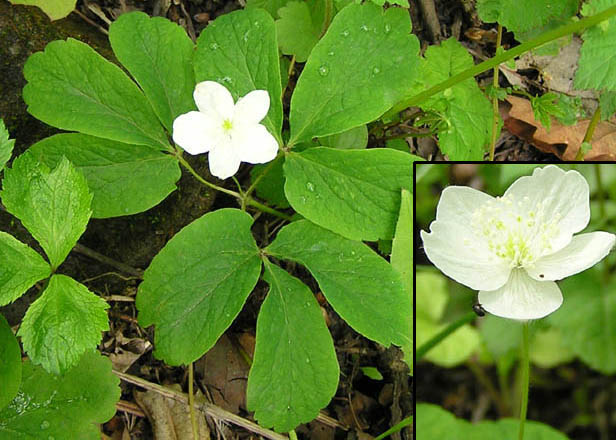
(433, 422)
(158, 54)
(239, 51)
(372, 372)
(402, 258)
(361, 286)
(295, 371)
(584, 319)
(62, 407)
(197, 284)
(271, 186)
(124, 179)
(21, 267)
(466, 111)
(53, 205)
(270, 6)
(597, 63)
(402, 249)
(524, 15)
(299, 27)
(55, 9)
(66, 321)
(10, 364)
(547, 349)
(72, 87)
(355, 193)
(355, 138)
(6, 145)
(607, 100)
(365, 63)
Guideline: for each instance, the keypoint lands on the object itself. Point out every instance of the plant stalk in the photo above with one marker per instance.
(525, 380)
(191, 402)
(562, 31)
(590, 131)
(436, 339)
(495, 114)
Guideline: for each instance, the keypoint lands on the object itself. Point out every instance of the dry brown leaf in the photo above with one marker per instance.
(170, 419)
(562, 140)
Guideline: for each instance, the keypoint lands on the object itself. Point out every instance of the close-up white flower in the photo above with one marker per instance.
(513, 248)
(229, 131)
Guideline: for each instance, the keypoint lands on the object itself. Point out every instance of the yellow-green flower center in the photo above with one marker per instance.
(515, 231)
(227, 125)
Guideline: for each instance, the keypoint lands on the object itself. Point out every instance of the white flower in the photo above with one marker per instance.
(230, 132)
(512, 248)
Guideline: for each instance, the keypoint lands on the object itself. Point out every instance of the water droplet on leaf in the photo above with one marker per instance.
(376, 70)
(330, 53)
(310, 186)
(345, 33)
(323, 70)
(214, 46)
(364, 28)
(45, 424)
(387, 28)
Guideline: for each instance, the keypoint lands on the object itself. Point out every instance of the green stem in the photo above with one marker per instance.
(436, 339)
(495, 114)
(267, 209)
(203, 181)
(525, 380)
(555, 34)
(602, 214)
(243, 200)
(191, 402)
(292, 435)
(590, 131)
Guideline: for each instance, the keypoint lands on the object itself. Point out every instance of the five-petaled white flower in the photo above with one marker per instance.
(512, 248)
(230, 132)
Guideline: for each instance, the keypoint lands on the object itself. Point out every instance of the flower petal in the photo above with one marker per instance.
(252, 108)
(214, 99)
(458, 203)
(254, 144)
(194, 132)
(223, 162)
(459, 254)
(522, 297)
(556, 196)
(584, 251)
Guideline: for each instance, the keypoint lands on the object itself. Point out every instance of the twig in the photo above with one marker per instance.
(209, 409)
(81, 249)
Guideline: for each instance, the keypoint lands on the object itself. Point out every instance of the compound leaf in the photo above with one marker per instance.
(197, 284)
(6, 145)
(524, 15)
(295, 371)
(299, 27)
(71, 405)
(158, 54)
(124, 179)
(66, 321)
(355, 193)
(362, 287)
(10, 364)
(239, 50)
(72, 87)
(597, 63)
(54, 205)
(21, 267)
(363, 65)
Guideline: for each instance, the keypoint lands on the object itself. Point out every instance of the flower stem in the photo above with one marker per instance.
(495, 114)
(574, 27)
(292, 435)
(191, 402)
(244, 200)
(436, 339)
(525, 380)
(590, 131)
(202, 180)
